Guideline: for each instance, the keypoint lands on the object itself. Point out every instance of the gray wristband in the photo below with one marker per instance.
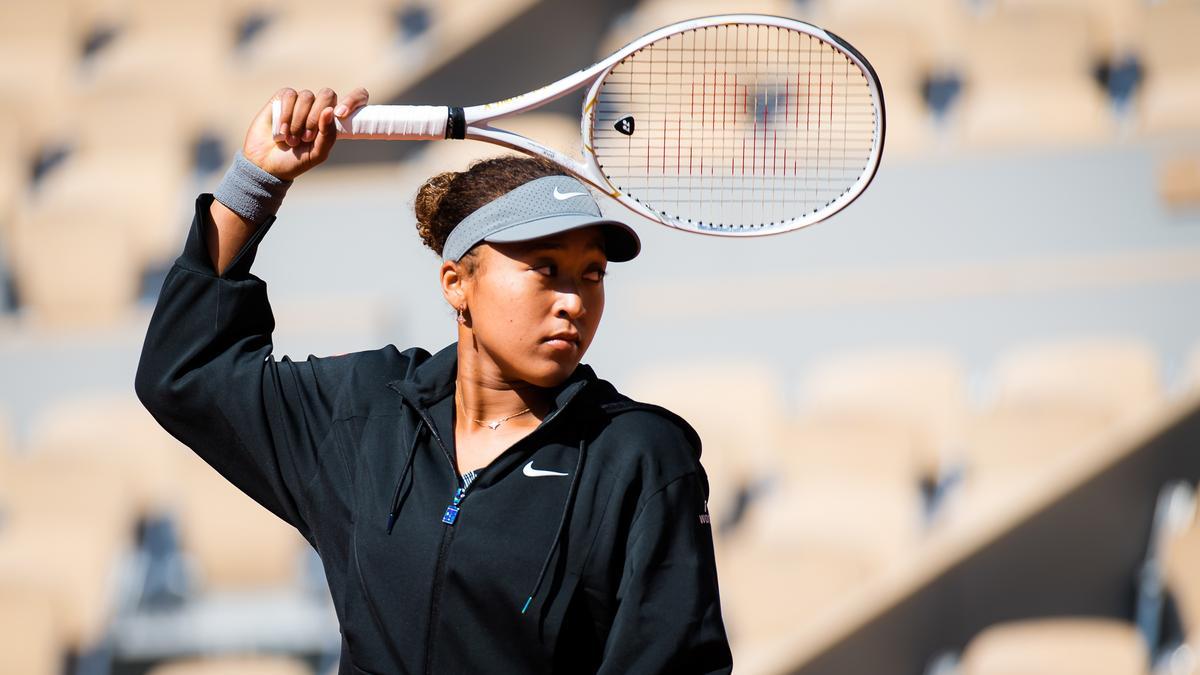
(250, 192)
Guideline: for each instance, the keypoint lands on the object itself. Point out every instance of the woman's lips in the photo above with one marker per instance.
(563, 342)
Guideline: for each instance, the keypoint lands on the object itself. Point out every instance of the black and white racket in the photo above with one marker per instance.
(737, 124)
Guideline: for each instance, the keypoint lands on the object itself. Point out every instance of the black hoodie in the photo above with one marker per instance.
(584, 547)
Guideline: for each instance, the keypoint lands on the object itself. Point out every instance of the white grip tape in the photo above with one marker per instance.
(394, 122)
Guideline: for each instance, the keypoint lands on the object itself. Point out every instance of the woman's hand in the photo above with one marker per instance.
(305, 132)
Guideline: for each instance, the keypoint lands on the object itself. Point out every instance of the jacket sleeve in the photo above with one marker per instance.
(207, 374)
(668, 617)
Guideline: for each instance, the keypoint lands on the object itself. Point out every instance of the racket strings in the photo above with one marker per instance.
(735, 126)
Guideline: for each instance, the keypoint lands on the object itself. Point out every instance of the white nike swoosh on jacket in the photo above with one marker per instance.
(528, 470)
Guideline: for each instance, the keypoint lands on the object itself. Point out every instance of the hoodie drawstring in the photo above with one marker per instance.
(408, 462)
(562, 521)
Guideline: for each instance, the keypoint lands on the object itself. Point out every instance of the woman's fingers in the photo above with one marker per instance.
(325, 98)
(287, 101)
(299, 119)
(351, 102)
(326, 134)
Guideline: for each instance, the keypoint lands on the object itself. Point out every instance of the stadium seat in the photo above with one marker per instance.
(14, 169)
(839, 449)
(118, 431)
(1193, 369)
(903, 66)
(650, 15)
(1179, 181)
(68, 550)
(31, 644)
(91, 191)
(1008, 450)
(1118, 377)
(771, 590)
(1170, 99)
(227, 665)
(75, 270)
(923, 390)
(1115, 24)
(739, 439)
(1181, 562)
(40, 43)
(1057, 646)
(935, 29)
(1029, 80)
(234, 542)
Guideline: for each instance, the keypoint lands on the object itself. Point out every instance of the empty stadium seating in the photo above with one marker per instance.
(737, 449)
(1170, 100)
(1116, 376)
(248, 665)
(32, 643)
(1029, 79)
(815, 501)
(924, 391)
(1068, 646)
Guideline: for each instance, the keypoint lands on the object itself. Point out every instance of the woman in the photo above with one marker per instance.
(493, 507)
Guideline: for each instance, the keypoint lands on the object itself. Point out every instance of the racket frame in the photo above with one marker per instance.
(478, 121)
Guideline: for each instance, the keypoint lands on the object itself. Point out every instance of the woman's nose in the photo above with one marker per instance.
(570, 304)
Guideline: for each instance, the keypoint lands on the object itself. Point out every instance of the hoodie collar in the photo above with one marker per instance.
(434, 379)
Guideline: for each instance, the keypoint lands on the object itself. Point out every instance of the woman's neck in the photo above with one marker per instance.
(484, 394)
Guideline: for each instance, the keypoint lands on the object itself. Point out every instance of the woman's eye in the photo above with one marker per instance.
(547, 270)
(595, 275)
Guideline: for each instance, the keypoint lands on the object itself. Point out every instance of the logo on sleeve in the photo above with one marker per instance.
(704, 517)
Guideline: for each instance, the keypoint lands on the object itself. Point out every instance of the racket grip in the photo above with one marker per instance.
(387, 122)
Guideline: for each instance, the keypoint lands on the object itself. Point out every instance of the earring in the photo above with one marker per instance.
(461, 319)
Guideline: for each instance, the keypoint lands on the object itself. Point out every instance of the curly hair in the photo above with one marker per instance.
(445, 199)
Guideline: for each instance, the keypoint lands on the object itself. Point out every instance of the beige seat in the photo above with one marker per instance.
(810, 543)
(1058, 646)
(650, 15)
(1179, 181)
(1193, 369)
(922, 390)
(770, 591)
(735, 408)
(32, 644)
(15, 165)
(40, 43)
(118, 431)
(1009, 450)
(234, 542)
(1029, 81)
(228, 665)
(74, 270)
(1170, 98)
(1117, 376)
(66, 527)
(936, 29)
(79, 199)
(840, 449)
(903, 65)
(1181, 562)
(1116, 25)
(164, 85)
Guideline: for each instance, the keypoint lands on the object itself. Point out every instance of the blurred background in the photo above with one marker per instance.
(955, 429)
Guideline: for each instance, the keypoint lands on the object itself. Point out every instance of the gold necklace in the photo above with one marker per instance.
(496, 424)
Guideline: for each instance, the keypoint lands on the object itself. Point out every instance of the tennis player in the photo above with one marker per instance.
(490, 508)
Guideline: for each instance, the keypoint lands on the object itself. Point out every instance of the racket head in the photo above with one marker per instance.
(734, 125)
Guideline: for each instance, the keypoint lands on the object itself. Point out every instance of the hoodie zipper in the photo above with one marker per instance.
(447, 529)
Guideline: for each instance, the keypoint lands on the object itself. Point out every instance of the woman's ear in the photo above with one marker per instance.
(454, 283)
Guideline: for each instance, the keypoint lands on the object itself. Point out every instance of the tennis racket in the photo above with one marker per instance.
(737, 124)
